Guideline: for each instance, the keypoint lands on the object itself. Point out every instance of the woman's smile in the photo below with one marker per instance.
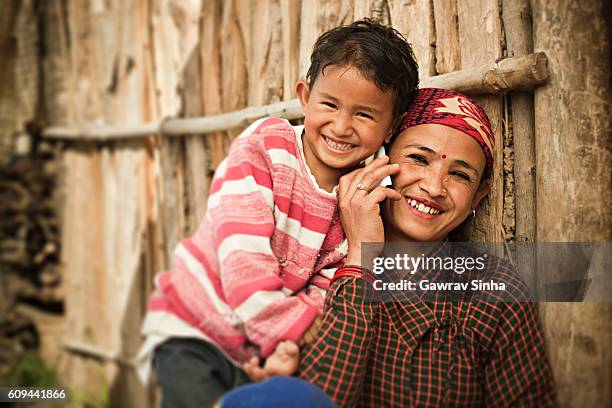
(423, 208)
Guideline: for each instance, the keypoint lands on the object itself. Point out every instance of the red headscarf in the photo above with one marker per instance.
(444, 107)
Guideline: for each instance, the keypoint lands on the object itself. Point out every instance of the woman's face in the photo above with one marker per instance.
(439, 180)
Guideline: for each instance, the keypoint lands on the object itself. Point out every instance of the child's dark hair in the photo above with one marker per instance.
(380, 54)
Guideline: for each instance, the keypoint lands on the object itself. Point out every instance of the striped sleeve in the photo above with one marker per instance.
(241, 215)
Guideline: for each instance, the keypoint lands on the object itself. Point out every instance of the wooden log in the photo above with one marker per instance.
(516, 15)
(480, 38)
(573, 178)
(515, 73)
(512, 73)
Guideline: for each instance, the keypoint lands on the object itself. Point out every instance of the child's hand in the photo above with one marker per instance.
(282, 362)
(285, 359)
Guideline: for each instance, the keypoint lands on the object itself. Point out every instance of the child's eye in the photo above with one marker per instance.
(418, 158)
(364, 115)
(329, 105)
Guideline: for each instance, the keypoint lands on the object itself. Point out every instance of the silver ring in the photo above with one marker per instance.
(361, 186)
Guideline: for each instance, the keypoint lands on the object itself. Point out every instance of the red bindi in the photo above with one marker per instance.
(443, 156)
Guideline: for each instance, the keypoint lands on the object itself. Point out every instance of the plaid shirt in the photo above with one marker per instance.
(415, 353)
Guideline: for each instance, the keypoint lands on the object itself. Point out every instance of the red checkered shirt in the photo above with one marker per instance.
(415, 353)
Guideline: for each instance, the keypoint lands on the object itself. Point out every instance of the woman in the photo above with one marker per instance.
(422, 350)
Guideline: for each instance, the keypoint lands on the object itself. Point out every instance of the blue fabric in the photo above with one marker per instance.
(278, 392)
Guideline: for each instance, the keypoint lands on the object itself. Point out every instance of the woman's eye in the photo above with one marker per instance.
(418, 158)
(461, 175)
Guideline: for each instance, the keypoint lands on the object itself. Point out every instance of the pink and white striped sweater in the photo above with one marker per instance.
(256, 270)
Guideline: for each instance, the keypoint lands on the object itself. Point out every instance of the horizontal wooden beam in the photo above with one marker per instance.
(509, 74)
(524, 72)
(92, 351)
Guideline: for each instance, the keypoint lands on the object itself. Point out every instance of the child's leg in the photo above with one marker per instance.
(193, 373)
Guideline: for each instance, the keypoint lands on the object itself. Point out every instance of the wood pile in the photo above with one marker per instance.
(30, 278)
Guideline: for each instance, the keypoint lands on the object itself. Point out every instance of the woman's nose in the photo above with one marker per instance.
(433, 183)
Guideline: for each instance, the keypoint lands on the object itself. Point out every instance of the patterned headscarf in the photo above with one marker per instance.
(444, 107)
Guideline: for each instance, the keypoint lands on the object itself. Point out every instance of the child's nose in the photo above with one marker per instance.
(342, 125)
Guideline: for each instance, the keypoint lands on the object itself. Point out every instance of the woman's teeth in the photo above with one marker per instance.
(423, 208)
(338, 146)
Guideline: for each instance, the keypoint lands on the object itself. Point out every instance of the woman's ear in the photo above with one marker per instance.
(481, 193)
(303, 93)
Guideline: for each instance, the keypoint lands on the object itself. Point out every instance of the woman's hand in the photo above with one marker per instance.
(359, 195)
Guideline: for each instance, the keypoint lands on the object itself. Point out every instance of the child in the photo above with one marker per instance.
(254, 274)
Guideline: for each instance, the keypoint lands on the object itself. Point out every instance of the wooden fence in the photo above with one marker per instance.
(117, 65)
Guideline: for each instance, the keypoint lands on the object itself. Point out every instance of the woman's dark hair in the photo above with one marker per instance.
(380, 54)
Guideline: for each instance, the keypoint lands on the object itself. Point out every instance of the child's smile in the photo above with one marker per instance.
(346, 119)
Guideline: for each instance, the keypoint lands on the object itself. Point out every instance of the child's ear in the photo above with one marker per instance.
(388, 138)
(303, 93)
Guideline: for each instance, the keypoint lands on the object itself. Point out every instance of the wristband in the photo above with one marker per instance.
(354, 271)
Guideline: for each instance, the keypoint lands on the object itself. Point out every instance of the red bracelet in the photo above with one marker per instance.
(354, 271)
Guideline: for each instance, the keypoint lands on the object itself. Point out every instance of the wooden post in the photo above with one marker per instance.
(480, 39)
(516, 15)
(573, 156)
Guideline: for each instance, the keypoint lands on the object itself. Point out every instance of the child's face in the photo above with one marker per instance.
(346, 119)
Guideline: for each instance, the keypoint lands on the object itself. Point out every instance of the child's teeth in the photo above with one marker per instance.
(338, 146)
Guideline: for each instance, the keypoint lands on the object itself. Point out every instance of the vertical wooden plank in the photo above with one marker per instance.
(377, 10)
(196, 157)
(290, 15)
(175, 30)
(8, 121)
(573, 178)
(265, 47)
(212, 101)
(109, 229)
(234, 75)
(80, 274)
(448, 50)
(480, 40)
(414, 19)
(319, 16)
(517, 25)
(56, 65)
